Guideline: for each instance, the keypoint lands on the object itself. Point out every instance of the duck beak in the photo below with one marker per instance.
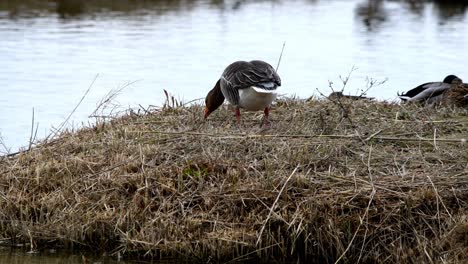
(207, 112)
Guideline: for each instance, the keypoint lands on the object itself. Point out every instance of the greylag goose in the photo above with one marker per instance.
(247, 85)
(432, 92)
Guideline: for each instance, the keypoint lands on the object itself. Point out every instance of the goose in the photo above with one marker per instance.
(247, 85)
(431, 92)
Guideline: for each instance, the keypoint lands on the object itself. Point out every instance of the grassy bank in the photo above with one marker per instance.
(355, 181)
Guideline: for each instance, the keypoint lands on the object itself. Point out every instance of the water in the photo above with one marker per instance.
(50, 53)
(53, 257)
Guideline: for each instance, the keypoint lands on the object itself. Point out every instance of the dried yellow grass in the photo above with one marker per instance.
(332, 181)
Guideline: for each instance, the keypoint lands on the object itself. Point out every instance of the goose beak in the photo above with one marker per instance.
(207, 112)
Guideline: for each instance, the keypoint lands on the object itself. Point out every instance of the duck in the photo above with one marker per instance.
(457, 95)
(431, 92)
(340, 95)
(249, 85)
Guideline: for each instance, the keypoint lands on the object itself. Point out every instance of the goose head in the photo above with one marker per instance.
(213, 100)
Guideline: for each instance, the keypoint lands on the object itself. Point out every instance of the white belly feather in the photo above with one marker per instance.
(255, 99)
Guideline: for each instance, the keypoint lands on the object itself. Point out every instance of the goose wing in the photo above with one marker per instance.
(425, 91)
(241, 75)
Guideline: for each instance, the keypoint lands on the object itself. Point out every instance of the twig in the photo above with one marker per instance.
(2, 143)
(357, 229)
(370, 83)
(274, 204)
(367, 229)
(431, 121)
(346, 79)
(244, 136)
(107, 100)
(369, 170)
(373, 135)
(439, 198)
(337, 101)
(144, 109)
(191, 101)
(171, 101)
(281, 55)
(32, 129)
(60, 127)
(33, 134)
(250, 253)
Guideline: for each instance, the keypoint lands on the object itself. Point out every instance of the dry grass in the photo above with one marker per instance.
(348, 181)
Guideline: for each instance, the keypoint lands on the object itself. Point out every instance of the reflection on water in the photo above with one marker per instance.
(50, 50)
(52, 257)
(70, 7)
(75, 8)
(372, 13)
(451, 9)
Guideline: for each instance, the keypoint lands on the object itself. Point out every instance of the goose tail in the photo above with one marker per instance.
(263, 90)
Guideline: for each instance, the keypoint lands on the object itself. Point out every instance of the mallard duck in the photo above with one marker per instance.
(457, 95)
(339, 95)
(432, 92)
(247, 85)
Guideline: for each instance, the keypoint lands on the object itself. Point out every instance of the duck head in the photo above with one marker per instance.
(452, 79)
(213, 100)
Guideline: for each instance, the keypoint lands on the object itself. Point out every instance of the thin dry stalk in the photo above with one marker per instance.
(65, 122)
(338, 137)
(33, 134)
(281, 55)
(274, 204)
(358, 229)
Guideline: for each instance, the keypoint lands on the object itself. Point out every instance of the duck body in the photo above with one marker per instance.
(247, 85)
(431, 92)
(457, 95)
(340, 95)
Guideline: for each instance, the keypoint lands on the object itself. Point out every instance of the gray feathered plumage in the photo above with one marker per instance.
(430, 92)
(242, 75)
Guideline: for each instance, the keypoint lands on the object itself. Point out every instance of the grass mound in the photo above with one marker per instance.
(355, 181)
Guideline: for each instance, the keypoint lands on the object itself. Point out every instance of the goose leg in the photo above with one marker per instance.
(266, 117)
(238, 116)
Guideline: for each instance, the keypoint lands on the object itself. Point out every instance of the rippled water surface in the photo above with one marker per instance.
(8, 256)
(50, 52)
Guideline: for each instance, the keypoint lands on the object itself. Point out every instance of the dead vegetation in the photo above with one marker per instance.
(348, 181)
